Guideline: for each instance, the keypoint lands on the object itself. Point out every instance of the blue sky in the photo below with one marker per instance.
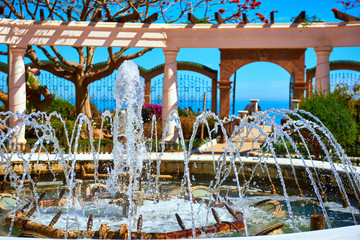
(265, 81)
(262, 80)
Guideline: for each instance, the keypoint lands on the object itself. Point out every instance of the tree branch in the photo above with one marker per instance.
(104, 71)
(55, 69)
(52, 10)
(138, 54)
(12, 9)
(85, 14)
(28, 10)
(63, 60)
(21, 8)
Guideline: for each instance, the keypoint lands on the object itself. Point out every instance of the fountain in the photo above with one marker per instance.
(162, 195)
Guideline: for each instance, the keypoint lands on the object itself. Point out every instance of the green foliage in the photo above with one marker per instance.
(308, 20)
(62, 107)
(58, 126)
(332, 110)
(187, 112)
(174, 147)
(203, 20)
(96, 115)
(280, 148)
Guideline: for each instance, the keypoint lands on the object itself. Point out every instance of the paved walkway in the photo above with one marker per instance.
(249, 145)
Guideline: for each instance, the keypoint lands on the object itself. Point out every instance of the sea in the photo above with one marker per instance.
(197, 106)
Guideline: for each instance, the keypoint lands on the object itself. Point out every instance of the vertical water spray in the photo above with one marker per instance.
(129, 149)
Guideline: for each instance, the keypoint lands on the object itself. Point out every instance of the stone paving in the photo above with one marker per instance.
(250, 144)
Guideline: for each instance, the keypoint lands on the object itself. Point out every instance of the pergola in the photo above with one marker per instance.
(264, 40)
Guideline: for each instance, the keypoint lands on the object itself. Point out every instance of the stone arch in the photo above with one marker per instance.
(181, 65)
(292, 60)
(334, 65)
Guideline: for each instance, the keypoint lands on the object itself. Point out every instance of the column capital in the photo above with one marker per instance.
(17, 49)
(225, 84)
(170, 51)
(323, 49)
(173, 49)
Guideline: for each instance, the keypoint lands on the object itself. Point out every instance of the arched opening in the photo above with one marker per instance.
(265, 81)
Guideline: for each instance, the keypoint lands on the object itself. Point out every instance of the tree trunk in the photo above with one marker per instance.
(4, 98)
(83, 100)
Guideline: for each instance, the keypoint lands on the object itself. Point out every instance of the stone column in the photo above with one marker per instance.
(17, 88)
(170, 94)
(243, 115)
(225, 86)
(256, 105)
(309, 87)
(295, 104)
(322, 75)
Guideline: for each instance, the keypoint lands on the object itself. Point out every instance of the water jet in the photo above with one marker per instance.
(147, 204)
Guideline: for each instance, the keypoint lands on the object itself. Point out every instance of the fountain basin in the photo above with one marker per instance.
(201, 166)
(348, 233)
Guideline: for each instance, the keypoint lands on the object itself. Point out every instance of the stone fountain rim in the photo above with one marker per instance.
(349, 233)
(179, 157)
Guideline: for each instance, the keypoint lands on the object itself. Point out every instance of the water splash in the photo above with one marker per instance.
(231, 169)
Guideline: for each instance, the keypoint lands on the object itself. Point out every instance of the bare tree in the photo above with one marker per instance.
(83, 71)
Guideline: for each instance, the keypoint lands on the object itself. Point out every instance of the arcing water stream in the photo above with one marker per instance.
(132, 187)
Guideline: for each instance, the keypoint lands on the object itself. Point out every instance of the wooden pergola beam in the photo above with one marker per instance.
(300, 17)
(344, 16)
(272, 18)
(42, 17)
(127, 18)
(151, 19)
(245, 18)
(218, 18)
(192, 19)
(68, 13)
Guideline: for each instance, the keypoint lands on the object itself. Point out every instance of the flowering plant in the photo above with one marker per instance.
(149, 110)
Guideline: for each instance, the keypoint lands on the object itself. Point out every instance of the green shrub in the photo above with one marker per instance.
(332, 111)
(58, 126)
(187, 112)
(96, 115)
(63, 107)
(187, 124)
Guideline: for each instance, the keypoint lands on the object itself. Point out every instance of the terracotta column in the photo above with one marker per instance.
(322, 75)
(147, 90)
(17, 88)
(225, 86)
(214, 95)
(170, 95)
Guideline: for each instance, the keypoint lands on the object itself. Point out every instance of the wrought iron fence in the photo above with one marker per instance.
(58, 86)
(347, 78)
(191, 90)
(3, 83)
(101, 93)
